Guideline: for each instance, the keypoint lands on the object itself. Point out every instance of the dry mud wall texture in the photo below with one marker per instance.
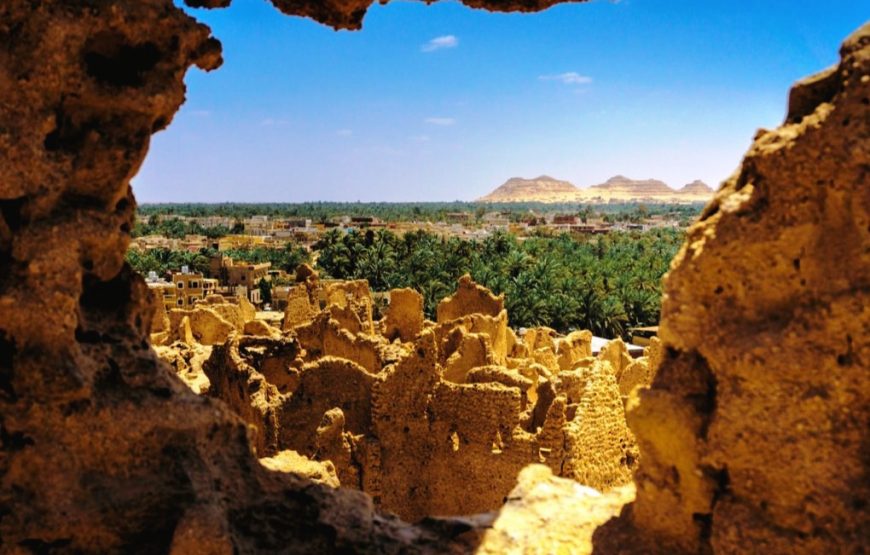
(762, 397)
(428, 425)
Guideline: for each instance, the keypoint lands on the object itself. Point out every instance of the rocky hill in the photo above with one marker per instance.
(697, 187)
(617, 189)
(540, 189)
(624, 185)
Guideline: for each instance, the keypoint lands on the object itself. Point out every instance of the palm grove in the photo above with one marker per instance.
(604, 283)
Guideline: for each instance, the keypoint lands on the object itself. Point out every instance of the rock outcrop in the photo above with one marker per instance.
(540, 189)
(755, 430)
(753, 436)
(547, 514)
(617, 189)
(696, 187)
(636, 187)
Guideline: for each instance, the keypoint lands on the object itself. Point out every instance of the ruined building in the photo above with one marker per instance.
(440, 422)
(752, 437)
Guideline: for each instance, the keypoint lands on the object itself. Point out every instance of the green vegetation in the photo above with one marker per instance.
(396, 212)
(165, 260)
(177, 229)
(265, 288)
(604, 283)
(286, 259)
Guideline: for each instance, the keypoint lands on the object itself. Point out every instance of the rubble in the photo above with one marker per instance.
(294, 463)
(347, 402)
(545, 514)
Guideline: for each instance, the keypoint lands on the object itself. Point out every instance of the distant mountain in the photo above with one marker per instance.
(645, 187)
(540, 189)
(697, 187)
(616, 189)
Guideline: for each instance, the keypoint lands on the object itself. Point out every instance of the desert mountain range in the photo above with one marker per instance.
(617, 188)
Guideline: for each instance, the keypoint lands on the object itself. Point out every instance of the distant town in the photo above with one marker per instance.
(226, 233)
(188, 252)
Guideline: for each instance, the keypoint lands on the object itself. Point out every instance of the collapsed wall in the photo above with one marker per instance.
(754, 436)
(440, 423)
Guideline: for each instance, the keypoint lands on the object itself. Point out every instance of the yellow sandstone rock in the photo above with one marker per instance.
(293, 462)
(548, 515)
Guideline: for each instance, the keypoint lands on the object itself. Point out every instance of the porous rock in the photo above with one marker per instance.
(294, 463)
(755, 429)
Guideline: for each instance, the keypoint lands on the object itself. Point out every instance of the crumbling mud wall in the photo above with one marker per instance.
(754, 436)
(441, 423)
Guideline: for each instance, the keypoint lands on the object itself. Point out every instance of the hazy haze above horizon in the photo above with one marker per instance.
(442, 102)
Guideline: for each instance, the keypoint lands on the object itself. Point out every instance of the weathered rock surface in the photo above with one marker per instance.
(187, 359)
(754, 435)
(545, 514)
(404, 317)
(348, 14)
(300, 307)
(755, 431)
(469, 299)
(294, 463)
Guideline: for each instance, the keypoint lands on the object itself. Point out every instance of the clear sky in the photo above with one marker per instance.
(443, 102)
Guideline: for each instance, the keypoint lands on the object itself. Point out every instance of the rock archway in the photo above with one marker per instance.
(754, 434)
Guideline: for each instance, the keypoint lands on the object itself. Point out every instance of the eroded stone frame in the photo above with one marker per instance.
(753, 434)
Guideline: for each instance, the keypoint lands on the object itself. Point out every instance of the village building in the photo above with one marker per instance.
(231, 242)
(258, 225)
(249, 275)
(188, 287)
(164, 290)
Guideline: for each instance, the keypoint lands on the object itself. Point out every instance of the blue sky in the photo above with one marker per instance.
(443, 102)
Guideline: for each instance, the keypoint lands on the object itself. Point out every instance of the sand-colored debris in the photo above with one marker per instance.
(294, 463)
(545, 514)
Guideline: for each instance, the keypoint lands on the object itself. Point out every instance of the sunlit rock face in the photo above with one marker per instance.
(753, 436)
(755, 430)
